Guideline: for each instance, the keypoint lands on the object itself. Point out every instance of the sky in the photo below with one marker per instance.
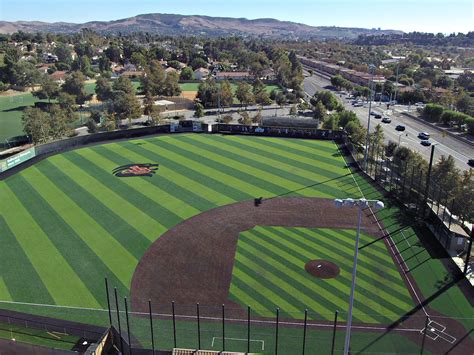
(435, 16)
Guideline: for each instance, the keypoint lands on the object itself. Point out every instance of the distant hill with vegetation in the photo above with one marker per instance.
(170, 24)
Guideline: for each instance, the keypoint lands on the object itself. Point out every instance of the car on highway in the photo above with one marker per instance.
(470, 162)
(378, 116)
(400, 127)
(386, 120)
(373, 113)
(358, 104)
(426, 143)
(424, 135)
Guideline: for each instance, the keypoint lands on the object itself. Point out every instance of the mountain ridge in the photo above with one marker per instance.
(175, 24)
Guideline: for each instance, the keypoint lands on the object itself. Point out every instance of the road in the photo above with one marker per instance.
(446, 145)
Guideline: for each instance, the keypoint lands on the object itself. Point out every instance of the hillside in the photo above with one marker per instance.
(169, 24)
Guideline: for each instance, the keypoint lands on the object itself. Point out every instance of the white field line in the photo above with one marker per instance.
(386, 233)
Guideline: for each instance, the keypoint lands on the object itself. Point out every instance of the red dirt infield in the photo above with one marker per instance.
(323, 269)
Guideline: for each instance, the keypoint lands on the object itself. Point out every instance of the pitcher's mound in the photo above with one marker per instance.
(322, 268)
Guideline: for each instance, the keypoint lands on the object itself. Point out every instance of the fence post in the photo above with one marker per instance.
(174, 323)
(276, 330)
(304, 329)
(128, 326)
(468, 254)
(118, 318)
(334, 333)
(151, 328)
(424, 335)
(199, 326)
(108, 300)
(223, 327)
(248, 329)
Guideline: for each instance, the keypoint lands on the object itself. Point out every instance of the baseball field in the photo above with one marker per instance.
(187, 230)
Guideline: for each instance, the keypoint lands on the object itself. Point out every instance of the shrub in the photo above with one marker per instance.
(433, 112)
(470, 125)
(453, 117)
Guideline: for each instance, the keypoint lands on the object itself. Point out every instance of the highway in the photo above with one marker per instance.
(444, 145)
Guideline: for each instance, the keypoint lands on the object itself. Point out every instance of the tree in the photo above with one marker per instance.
(257, 118)
(244, 94)
(198, 110)
(244, 118)
(149, 104)
(25, 74)
(226, 95)
(113, 53)
(123, 84)
(64, 53)
(186, 74)
(154, 79)
(207, 93)
(36, 124)
(331, 122)
(464, 196)
(376, 137)
(60, 122)
(446, 175)
(67, 102)
(155, 117)
(171, 85)
(125, 106)
(74, 85)
(425, 83)
(326, 98)
(138, 59)
(103, 89)
(262, 98)
(293, 111)
(345, 117)
(337, 81)
(356, 132)
(198, 63)
(433, 112)
(49, 89)
(319, 111)
(465, 104)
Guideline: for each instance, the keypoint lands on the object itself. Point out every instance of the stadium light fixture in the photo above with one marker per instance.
(361, 203)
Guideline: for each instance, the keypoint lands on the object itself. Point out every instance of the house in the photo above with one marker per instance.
(43, 68)
(268, 74)
(170, 70)
(58, 76)
(201, 73)
(234, 75)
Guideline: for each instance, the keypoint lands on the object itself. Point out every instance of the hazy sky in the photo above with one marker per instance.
(408, 15)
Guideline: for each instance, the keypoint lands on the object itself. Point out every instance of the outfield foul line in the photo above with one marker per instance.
(386, 233)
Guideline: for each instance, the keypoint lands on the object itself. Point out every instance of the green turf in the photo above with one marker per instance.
(274, 257)
(36, 336)
(67, 223)
(11, 109)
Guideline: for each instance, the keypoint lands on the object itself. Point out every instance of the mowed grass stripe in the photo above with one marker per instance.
(184, 203)
(323, 166)
(64, 286)
(333, 293)
(369, 279)
(134, 191)
(22, 281)
(263, 286)
(240, 296)
(280, 180)
(394, 299)
(140, 221)
(260, 303)
(291, 280)
(280, 173)
(328, 179)
(233, 176)
(375, 266)
(131, 240)
(215, 191)
(115, 255)
(220, 182)
(84, 261)
(180, 183)
(4, 293)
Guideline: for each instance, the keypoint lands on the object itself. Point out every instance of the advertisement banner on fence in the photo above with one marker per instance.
(17, 159)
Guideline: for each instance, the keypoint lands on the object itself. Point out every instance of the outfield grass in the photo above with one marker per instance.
(269, 273)
(67, 223)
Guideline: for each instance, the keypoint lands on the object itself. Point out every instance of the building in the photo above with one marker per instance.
(234, 75)
(201, 73)
(268, 74)
(58, 76)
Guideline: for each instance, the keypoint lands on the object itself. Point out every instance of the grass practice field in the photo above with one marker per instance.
(67, 222)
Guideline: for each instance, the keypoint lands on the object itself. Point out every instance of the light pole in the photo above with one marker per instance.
(361, 203)
(371, 84)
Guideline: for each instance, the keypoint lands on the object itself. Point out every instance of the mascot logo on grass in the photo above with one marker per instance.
(128, 170)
